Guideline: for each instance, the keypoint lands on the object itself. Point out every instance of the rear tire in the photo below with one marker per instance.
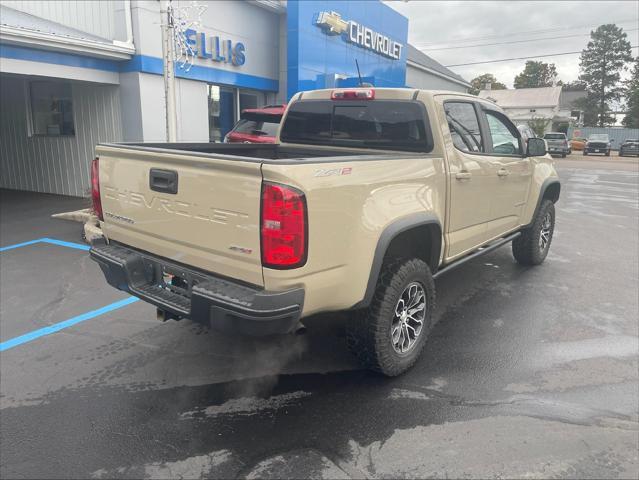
(383, 340)
(563, 155)
(585, 153)
(531, 247)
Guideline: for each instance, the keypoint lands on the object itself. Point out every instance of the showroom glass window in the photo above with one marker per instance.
(225, 105)
(251, 99)
(51, 108)
(464, 126)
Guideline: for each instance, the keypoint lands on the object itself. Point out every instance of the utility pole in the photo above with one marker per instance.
(168, 54)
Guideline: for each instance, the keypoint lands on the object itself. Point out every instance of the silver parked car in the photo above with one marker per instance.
(558, 143)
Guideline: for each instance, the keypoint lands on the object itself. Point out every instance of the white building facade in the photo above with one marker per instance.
(547, 103)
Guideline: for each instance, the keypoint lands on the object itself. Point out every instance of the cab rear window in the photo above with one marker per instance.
(381, 124)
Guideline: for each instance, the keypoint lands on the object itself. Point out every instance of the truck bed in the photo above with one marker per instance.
(262, 153)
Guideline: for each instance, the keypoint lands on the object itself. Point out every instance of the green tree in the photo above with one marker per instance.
(539, 125)
(589, 105)
(631, 120)
(601, 64)
(479, 83)
(574, 86)
(536, 74)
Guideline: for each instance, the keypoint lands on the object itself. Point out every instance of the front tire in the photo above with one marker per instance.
(585, 153)
(389, 336)
(531, 247)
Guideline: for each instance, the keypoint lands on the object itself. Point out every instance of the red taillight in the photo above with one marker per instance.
(367, 94)
(95, 188)
(283, 227)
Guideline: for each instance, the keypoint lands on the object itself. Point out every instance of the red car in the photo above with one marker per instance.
(257, 125)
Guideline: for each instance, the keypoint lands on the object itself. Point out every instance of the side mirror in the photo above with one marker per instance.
(536, 147)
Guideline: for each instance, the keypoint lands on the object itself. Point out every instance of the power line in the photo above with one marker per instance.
(545, 30)
(515, 41)
(519, 58)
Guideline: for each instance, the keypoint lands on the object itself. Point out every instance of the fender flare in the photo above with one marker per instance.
(388, 234)
(542, 193)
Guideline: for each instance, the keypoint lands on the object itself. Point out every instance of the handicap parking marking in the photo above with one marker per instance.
(27, 337)
(35, 334)
(51, 241)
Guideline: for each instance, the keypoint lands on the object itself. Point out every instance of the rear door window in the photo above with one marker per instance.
(383, 124)
(464, 126)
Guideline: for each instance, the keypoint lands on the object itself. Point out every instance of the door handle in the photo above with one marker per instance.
(463, 175)
(502, 172)
(165, 181)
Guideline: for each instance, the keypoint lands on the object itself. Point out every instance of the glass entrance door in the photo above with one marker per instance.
(221, 111)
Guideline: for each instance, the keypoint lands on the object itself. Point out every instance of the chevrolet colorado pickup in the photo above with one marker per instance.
(368, 196)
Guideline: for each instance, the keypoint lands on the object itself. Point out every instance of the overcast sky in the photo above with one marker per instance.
(434, 25)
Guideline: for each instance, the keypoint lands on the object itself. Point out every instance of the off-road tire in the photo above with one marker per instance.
(368, 331)
(526, 248)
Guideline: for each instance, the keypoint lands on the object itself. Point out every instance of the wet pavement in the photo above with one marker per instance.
(529, 372)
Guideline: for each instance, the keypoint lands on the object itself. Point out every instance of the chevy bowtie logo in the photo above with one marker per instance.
(332, 22)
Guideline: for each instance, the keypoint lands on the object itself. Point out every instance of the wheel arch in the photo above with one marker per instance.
(550, 190)
(404, 235)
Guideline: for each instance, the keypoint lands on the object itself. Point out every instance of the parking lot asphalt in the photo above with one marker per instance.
(529, 372)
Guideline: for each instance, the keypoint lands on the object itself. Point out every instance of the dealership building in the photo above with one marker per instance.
(74, 74)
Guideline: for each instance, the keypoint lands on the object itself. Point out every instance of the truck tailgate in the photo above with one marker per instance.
(202, 212)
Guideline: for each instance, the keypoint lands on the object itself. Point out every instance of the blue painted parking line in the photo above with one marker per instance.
(62, 243)
(41, 332)
(52, 241)
(18, 245)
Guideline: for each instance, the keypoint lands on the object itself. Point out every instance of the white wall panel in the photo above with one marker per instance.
(52, 164)
(417, 78)
(96, 18)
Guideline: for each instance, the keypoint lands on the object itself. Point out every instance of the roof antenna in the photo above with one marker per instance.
(359, 74)
(361, 84)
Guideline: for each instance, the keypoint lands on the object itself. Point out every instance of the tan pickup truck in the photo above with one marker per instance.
(368, 196)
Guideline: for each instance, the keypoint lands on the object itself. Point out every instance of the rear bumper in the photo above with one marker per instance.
(222, 304)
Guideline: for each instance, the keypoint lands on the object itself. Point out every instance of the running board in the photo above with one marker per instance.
(478, 253)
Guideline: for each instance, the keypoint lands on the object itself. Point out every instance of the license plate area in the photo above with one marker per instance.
(170, 277)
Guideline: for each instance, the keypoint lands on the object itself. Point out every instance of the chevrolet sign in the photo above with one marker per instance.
(333, 24)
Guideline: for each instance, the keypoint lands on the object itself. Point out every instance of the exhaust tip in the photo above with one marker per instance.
(300, 329)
